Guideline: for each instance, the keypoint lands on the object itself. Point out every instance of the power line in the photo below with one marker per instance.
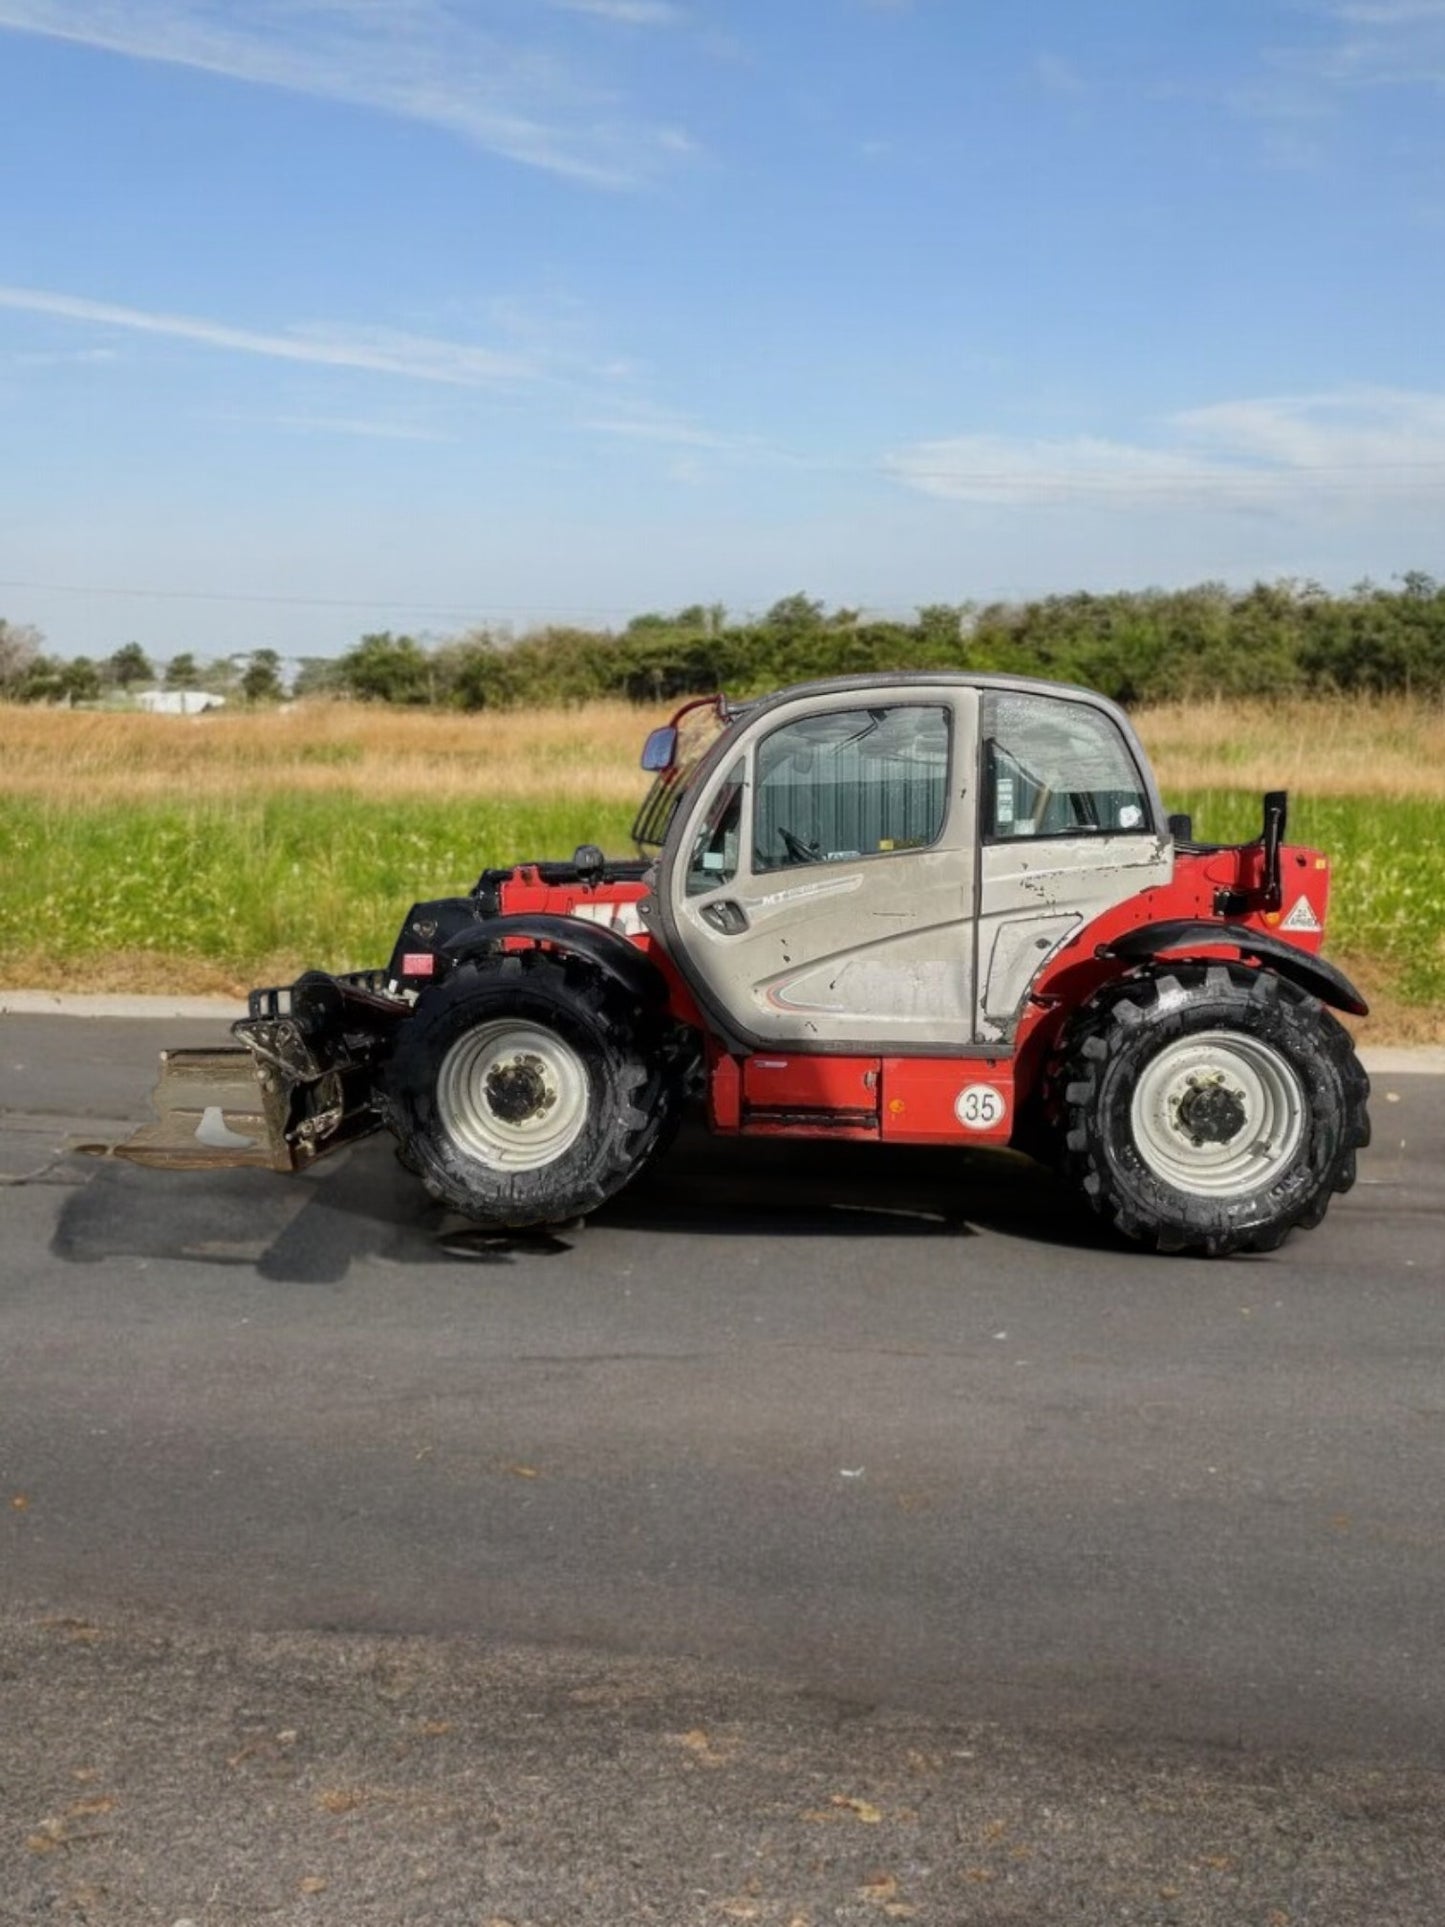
(1075, 482)
(310, 602)
(1226, 476)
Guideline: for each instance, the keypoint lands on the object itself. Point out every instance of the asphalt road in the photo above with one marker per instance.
(802, 1467)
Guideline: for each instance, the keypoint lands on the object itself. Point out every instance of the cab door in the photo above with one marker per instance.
(1070, 824)
(818, 890)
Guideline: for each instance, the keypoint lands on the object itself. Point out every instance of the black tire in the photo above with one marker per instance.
(527, 1088)
(1166, 1077)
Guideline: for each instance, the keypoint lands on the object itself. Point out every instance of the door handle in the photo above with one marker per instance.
(726, 916)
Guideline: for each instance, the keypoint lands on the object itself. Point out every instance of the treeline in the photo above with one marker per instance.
(29, 675)
(1150, 646)
(1282, 638)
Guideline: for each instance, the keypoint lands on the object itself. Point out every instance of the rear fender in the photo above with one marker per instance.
(1189, 936)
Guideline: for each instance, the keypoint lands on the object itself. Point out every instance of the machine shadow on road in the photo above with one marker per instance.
(730, 1187)
(309, 1230)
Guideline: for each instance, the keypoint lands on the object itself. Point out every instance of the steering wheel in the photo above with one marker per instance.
(796, 848)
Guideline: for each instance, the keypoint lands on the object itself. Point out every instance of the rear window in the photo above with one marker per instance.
(1057, 768)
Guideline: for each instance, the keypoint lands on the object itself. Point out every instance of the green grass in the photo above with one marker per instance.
(324, 879)
(1387, 897)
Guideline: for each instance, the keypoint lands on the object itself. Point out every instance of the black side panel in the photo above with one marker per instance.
(622, 961)
(1313, 974)
(428, 926)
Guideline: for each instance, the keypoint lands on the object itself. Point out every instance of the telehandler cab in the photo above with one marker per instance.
(910, 909)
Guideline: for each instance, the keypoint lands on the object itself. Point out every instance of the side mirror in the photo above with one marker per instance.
(1181, 828)
(660, 748)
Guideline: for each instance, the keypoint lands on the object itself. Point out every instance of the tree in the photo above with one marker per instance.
(701, 619)
(796, 615)
(222, 674)
(19, 648)
(384, 668)
(182, 672)
(940, 625)
(50, 679)
(129, 665)
(261, 678)
(80, 680)
(317, 676)
(480, 674)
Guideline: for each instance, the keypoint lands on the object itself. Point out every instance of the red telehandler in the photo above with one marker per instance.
(911, 909)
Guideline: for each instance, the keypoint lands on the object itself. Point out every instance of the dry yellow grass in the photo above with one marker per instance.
(1392, 747)
(84, 758)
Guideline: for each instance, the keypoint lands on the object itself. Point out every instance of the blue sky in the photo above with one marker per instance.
(321, 317)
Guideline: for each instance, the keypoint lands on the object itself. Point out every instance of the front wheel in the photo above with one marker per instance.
(1212, 1108)
(526, 1089)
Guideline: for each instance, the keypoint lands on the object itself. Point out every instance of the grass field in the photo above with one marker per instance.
(210, 853)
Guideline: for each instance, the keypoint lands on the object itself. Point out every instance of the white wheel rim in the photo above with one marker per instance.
(1219, 1113)
(512, 1095)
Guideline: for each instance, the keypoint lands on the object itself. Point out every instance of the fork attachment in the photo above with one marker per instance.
(300, 1084)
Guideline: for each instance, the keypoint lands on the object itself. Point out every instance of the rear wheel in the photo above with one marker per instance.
(527, 1089)
(1212, 1108)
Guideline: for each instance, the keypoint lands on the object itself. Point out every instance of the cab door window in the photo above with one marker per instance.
(1056, 768)
(713, 860)
(849, 783)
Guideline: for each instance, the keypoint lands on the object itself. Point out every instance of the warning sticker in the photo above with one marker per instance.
(1301, 916)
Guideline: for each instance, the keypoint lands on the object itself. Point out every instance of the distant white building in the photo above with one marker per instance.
(178, 702)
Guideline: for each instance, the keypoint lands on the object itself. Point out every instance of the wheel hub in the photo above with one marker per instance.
(519, 1090)
(1210, 1113)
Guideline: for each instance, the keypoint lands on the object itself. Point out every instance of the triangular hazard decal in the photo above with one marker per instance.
(1302, 916)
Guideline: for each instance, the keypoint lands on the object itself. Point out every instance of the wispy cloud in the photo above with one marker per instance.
(383, 351)
(1364, 432)
(1302, 89)
(1371, 43)
(628, 13)
(380, 431)
(672, 431)
(57, 357)
(423, 60)
(1390, 13)
(632, 419)
(1007, 471)
(1272, 453)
